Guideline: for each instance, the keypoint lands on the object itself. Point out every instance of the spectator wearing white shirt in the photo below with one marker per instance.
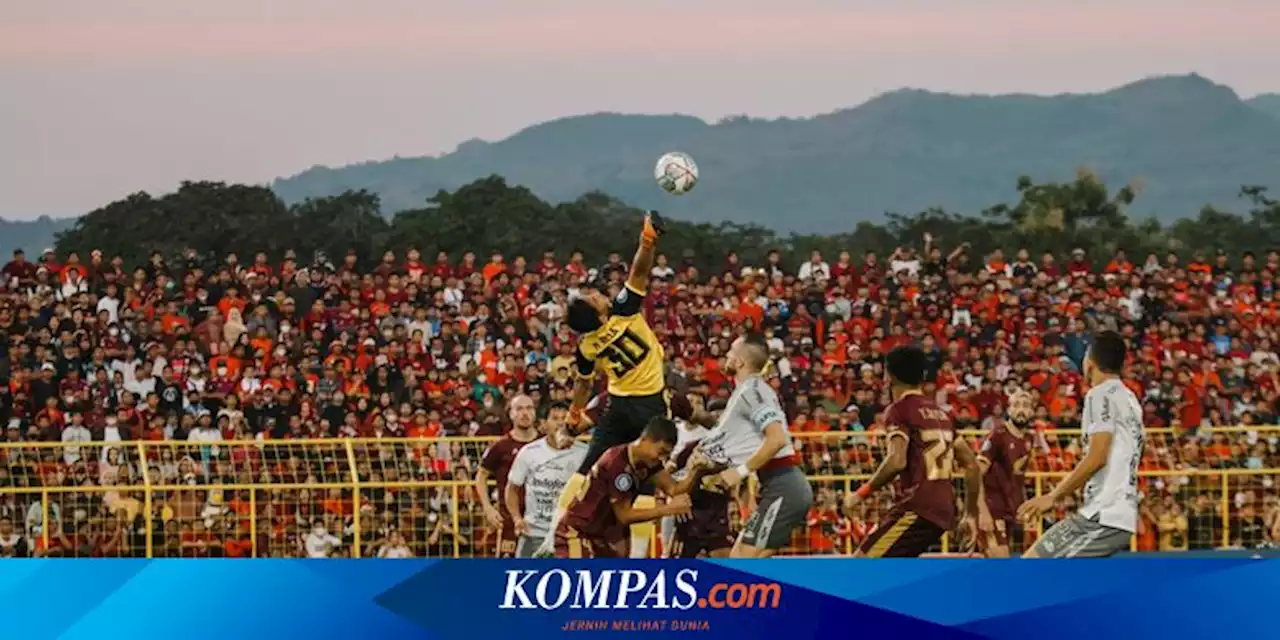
(395, 547)
(207, 434)
(320, 543)
(143, 383)
(904, 260)
(661, 268)
(75, 432)
(815, 268)
(74, 286)
(250, 384)
(127, 366)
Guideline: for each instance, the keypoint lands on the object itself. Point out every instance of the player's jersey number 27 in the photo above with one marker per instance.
(939, 457)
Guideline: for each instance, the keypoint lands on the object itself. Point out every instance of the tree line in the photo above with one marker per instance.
(489, 214)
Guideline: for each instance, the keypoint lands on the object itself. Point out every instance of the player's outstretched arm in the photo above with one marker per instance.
(642, 264)
(667, 484)
(627, 514)
(1099, 450)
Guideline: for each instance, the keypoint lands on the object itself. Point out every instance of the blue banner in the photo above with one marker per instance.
(785, 599)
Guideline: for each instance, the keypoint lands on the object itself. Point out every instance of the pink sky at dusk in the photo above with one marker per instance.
(99, 98)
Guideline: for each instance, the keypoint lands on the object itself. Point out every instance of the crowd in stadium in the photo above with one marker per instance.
(220, 356)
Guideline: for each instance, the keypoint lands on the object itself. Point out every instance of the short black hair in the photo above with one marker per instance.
(582, 317)
(906, 365)
(1108, 351)
(661, 429)
(558, 404)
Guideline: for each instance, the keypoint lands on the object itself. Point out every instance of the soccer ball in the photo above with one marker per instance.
(676, 173)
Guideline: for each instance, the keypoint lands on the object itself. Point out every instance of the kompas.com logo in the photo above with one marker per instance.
(613, 589)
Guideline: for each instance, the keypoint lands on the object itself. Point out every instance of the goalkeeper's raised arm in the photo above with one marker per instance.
(642, 264)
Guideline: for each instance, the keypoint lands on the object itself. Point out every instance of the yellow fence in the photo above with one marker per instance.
(368, 497)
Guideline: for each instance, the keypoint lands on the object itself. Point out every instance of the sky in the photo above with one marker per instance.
(102, 98)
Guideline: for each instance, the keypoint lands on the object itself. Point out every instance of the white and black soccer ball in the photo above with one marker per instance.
(676, 173)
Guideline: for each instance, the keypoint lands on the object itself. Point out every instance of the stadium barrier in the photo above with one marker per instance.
(385, 497)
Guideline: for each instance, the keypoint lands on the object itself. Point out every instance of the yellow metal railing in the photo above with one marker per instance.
(272, 488)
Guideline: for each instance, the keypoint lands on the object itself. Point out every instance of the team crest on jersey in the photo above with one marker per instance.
(624, 482)
(622, 296)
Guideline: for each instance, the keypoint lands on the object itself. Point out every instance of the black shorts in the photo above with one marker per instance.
(904, 534)
(622, 423)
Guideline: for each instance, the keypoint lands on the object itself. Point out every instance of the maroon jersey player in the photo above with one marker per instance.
(496, 465)
(597, 522)
(923, 450)
(1003, 459)
(706, 530)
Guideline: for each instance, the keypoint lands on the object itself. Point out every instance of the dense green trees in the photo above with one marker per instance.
(490, 214)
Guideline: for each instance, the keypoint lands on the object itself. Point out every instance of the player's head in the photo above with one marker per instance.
(905, 366)
(587, 311)
(557, 414)
(522, 412)
(1106, 356)
(1022, 408)
(657, 441)
(749, 354)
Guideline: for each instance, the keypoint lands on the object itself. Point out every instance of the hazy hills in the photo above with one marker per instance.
(1189, 140)
(1267, 102)
(33, 236)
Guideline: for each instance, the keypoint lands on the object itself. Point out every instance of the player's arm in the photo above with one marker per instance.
(584, 383)
(626, 513)
(642, 263)
(1100, 439)
(775, 438)
(765, 414)
(989, 449)
(894, 462)
(1099, 449)
(703, 418)
(512, 496)
(689, 407)
(491, 514)
(972, 476)
(667, 484)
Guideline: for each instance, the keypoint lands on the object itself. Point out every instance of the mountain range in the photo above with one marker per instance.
(1188, 140)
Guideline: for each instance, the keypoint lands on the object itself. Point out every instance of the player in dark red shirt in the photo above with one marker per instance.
(597, 522)
(1003, 460)
(923, 449)
(706, 530)
(496, 465)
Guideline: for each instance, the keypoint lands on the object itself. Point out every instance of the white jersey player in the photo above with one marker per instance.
(751, 437)
(540, 471)
(1113, 437)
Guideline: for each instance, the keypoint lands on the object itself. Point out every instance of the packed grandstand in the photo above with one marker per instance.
(280, 408)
